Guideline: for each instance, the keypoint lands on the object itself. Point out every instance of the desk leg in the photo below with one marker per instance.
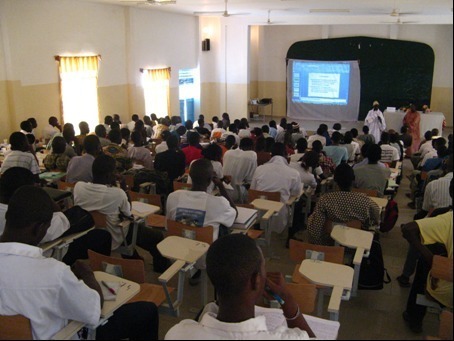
(134, 236)
(204, 288)
(356, 280)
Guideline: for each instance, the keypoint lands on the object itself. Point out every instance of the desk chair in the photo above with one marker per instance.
(177, 185)
(15, 327)
(300, 251)
(202, 234)
(154, 220)
(305, 295)
(369, 192)
(129, 180)
(133, 270)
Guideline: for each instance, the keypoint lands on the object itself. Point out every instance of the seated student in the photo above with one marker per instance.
(389, 154)
(366, 137)
(306, 168)
(162, 147)
(356, 140)
(96, 240)
(326, 163)
(172, 161)
(335, 151)
(218, 131)
(428, 237)
(138, 153)
(236, 268)
(425, 147)
(69, 134)
(102, 195)
(262, 155)
(278, 176)
(48, 292)
(50, 130)
(125, 136)
(434, 160)
(84, 131)
(317, 137)
(352, 147)
(117, 151)
(101, 132)
(194, 150)
(20, 155)
(240, 164)
(57, 160)
(198, 208)
(406, 138)
(341, 207)
(372, 176)
(79, 168)
(273, 129)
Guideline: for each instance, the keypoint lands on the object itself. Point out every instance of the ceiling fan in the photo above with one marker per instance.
(153, 2)
(399, 21)
(224, 13)
(270, 22)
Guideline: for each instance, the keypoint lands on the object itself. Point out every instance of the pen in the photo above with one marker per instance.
(108, 288)
(276, 297)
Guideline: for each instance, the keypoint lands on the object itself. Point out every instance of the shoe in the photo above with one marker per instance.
(414, 327)
(403, 281)
(135, 255)
(412, 205)
(195, 280)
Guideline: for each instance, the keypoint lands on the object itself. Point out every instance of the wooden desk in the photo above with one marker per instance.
(336, 276)
(271, 207)
(56, 194)
(354, 239)
(185, 252)
(127, 291)
(381, 202)
(60, 244)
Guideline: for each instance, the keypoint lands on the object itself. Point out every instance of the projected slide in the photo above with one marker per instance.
(323, 90)
(321, 83)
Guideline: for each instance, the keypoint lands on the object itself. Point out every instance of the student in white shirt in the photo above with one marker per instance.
(389, 154)
(53, 128)
(236, 268)
(48, 292)
(102, 195)
(277, 176)
(241, 164)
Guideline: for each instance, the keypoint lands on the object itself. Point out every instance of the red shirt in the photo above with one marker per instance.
(192, 153)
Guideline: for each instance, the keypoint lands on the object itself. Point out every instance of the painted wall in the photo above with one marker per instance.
(33, 32)
(274, 42)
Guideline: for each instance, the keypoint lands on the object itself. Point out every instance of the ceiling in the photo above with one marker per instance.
(310, 12)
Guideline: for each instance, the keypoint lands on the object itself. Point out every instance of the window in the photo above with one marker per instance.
(79, 89)
(189, 93)
(156, 85)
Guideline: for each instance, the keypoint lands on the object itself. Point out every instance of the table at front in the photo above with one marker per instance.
(185, 252)
(337, 276)
(354, 239)
(394, 120)
(128, 290)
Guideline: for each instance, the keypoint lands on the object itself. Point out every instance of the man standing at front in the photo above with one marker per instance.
(376, 122)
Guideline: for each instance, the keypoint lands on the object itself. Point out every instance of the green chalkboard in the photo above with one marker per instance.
(394, 72)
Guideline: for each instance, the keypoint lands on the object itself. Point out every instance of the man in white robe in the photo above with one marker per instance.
(376, 122)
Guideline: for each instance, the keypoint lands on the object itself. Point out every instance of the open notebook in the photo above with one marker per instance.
(246, 218)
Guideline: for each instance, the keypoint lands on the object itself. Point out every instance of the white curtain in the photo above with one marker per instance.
(156, 83)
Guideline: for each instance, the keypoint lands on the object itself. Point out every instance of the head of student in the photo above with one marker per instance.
(108, 120)
(18, 142)
(213, 152)
(246, 144)
(310, 160)
(53, 121)
(317, 146)
(279, 150)
(201, 173)
(384, 138)
(193, 138)
(58, 145)
(92, 145)
(374, 154)
(26, 126)
(135, 117)
(100, 131)
(236, 268)
(336, 138)
(84, 128)
(12, 179)
(28, 216)
(366, 130)
(230, 141)
(344, 177)
(137, 138)
(33, 122)
(115, 136)
(172, 142)
(103, 169)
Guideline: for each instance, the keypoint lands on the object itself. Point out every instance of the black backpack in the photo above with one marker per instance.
(143, 175)
(373, 274)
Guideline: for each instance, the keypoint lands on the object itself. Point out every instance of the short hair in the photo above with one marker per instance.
(201, 172)
(384, 137)
(246, 144)
(103, 165)
(115, 125)
(336, 137)
(215, 119)
(337, 126)
(344, 176)
(374, 153)
(100, 130)
(354, 132)
(92, 144)
(12, 179)
(230, 141)
(135, 117)
(189, 125)
(272, 124)
(366, 130)
(26, 126)
(231, 262)
(428, 135)
(233, 128)
(265, 129)
(83, 126)
(310, 159)
(18, 141)
(53, 120)
(115, 136)
(320, 131)
(29, 205)
(283, 122)
(193, 138)
(172, 142)
(213, 152)
(108, 120)
(58, 145)
(125, 133)
(165, 135)
(317, 146)
(181, 130)
(365, 149)
(69, 133)
(301, 145)
(279, 150)
(348, 138)
(33, 122)
(435, 132)
(137, 138)
(269, 143)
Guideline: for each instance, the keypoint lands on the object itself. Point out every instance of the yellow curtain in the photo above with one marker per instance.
(76, 64)
(158, 74)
